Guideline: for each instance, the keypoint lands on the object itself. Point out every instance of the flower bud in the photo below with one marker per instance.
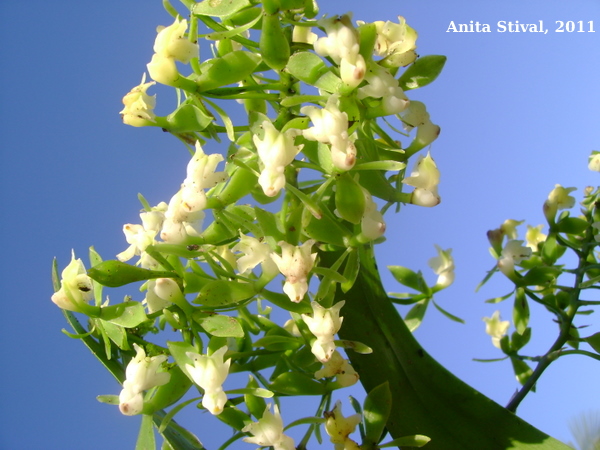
(163, 69)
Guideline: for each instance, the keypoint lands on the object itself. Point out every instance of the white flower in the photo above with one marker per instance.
(295, 263)
(276, 150)
(340, 368)
(342, 45)
(268, 431)
(496, 328)
(381, 84)
(210, 372)
(171, 42)
(443, 267)
(139, 106)
(141, 374)
(395, 42)
(513, 253)
(339, 427)
(425, 178)
(255, 252)
(324, 324)
(330, 126)
(179, 223)
(76, 288)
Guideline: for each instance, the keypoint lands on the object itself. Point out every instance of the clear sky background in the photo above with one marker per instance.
(519, 113)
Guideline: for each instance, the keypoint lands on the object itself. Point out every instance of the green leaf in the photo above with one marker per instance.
(376, 411)
(127, 314)
(234, 417)
(116, 273)
(227, 69)
(521, 369)
(219, 325)
(520, 340)
(219, 293)
(358, 347)
(410, 279)
(146, 439)
(414, 317)
(108, 399)
(422, 72)
(594, 341)
(219, 8)
(295, 383)
(447, 314)
(551, 250)
(520, 311)
(307, 67)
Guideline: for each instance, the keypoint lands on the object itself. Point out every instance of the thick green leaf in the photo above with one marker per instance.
(307, 67)
(426, 398)
(414, 317)
(572, 225)
(187, 118)
(422, 72)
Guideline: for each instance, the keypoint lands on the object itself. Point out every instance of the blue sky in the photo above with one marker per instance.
(518, 112)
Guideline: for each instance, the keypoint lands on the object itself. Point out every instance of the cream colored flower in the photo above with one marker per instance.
(171, 42)
(324, 324)
(425, 177)
(513, 253)
(443, 266)
(342, 45)
(339, 427)
(210, 372)
(534, 237)
(330, 126)
(76, 288)
(337, 366)
(396, 42)
(276, 151)
(139, 106)
(496, 328)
